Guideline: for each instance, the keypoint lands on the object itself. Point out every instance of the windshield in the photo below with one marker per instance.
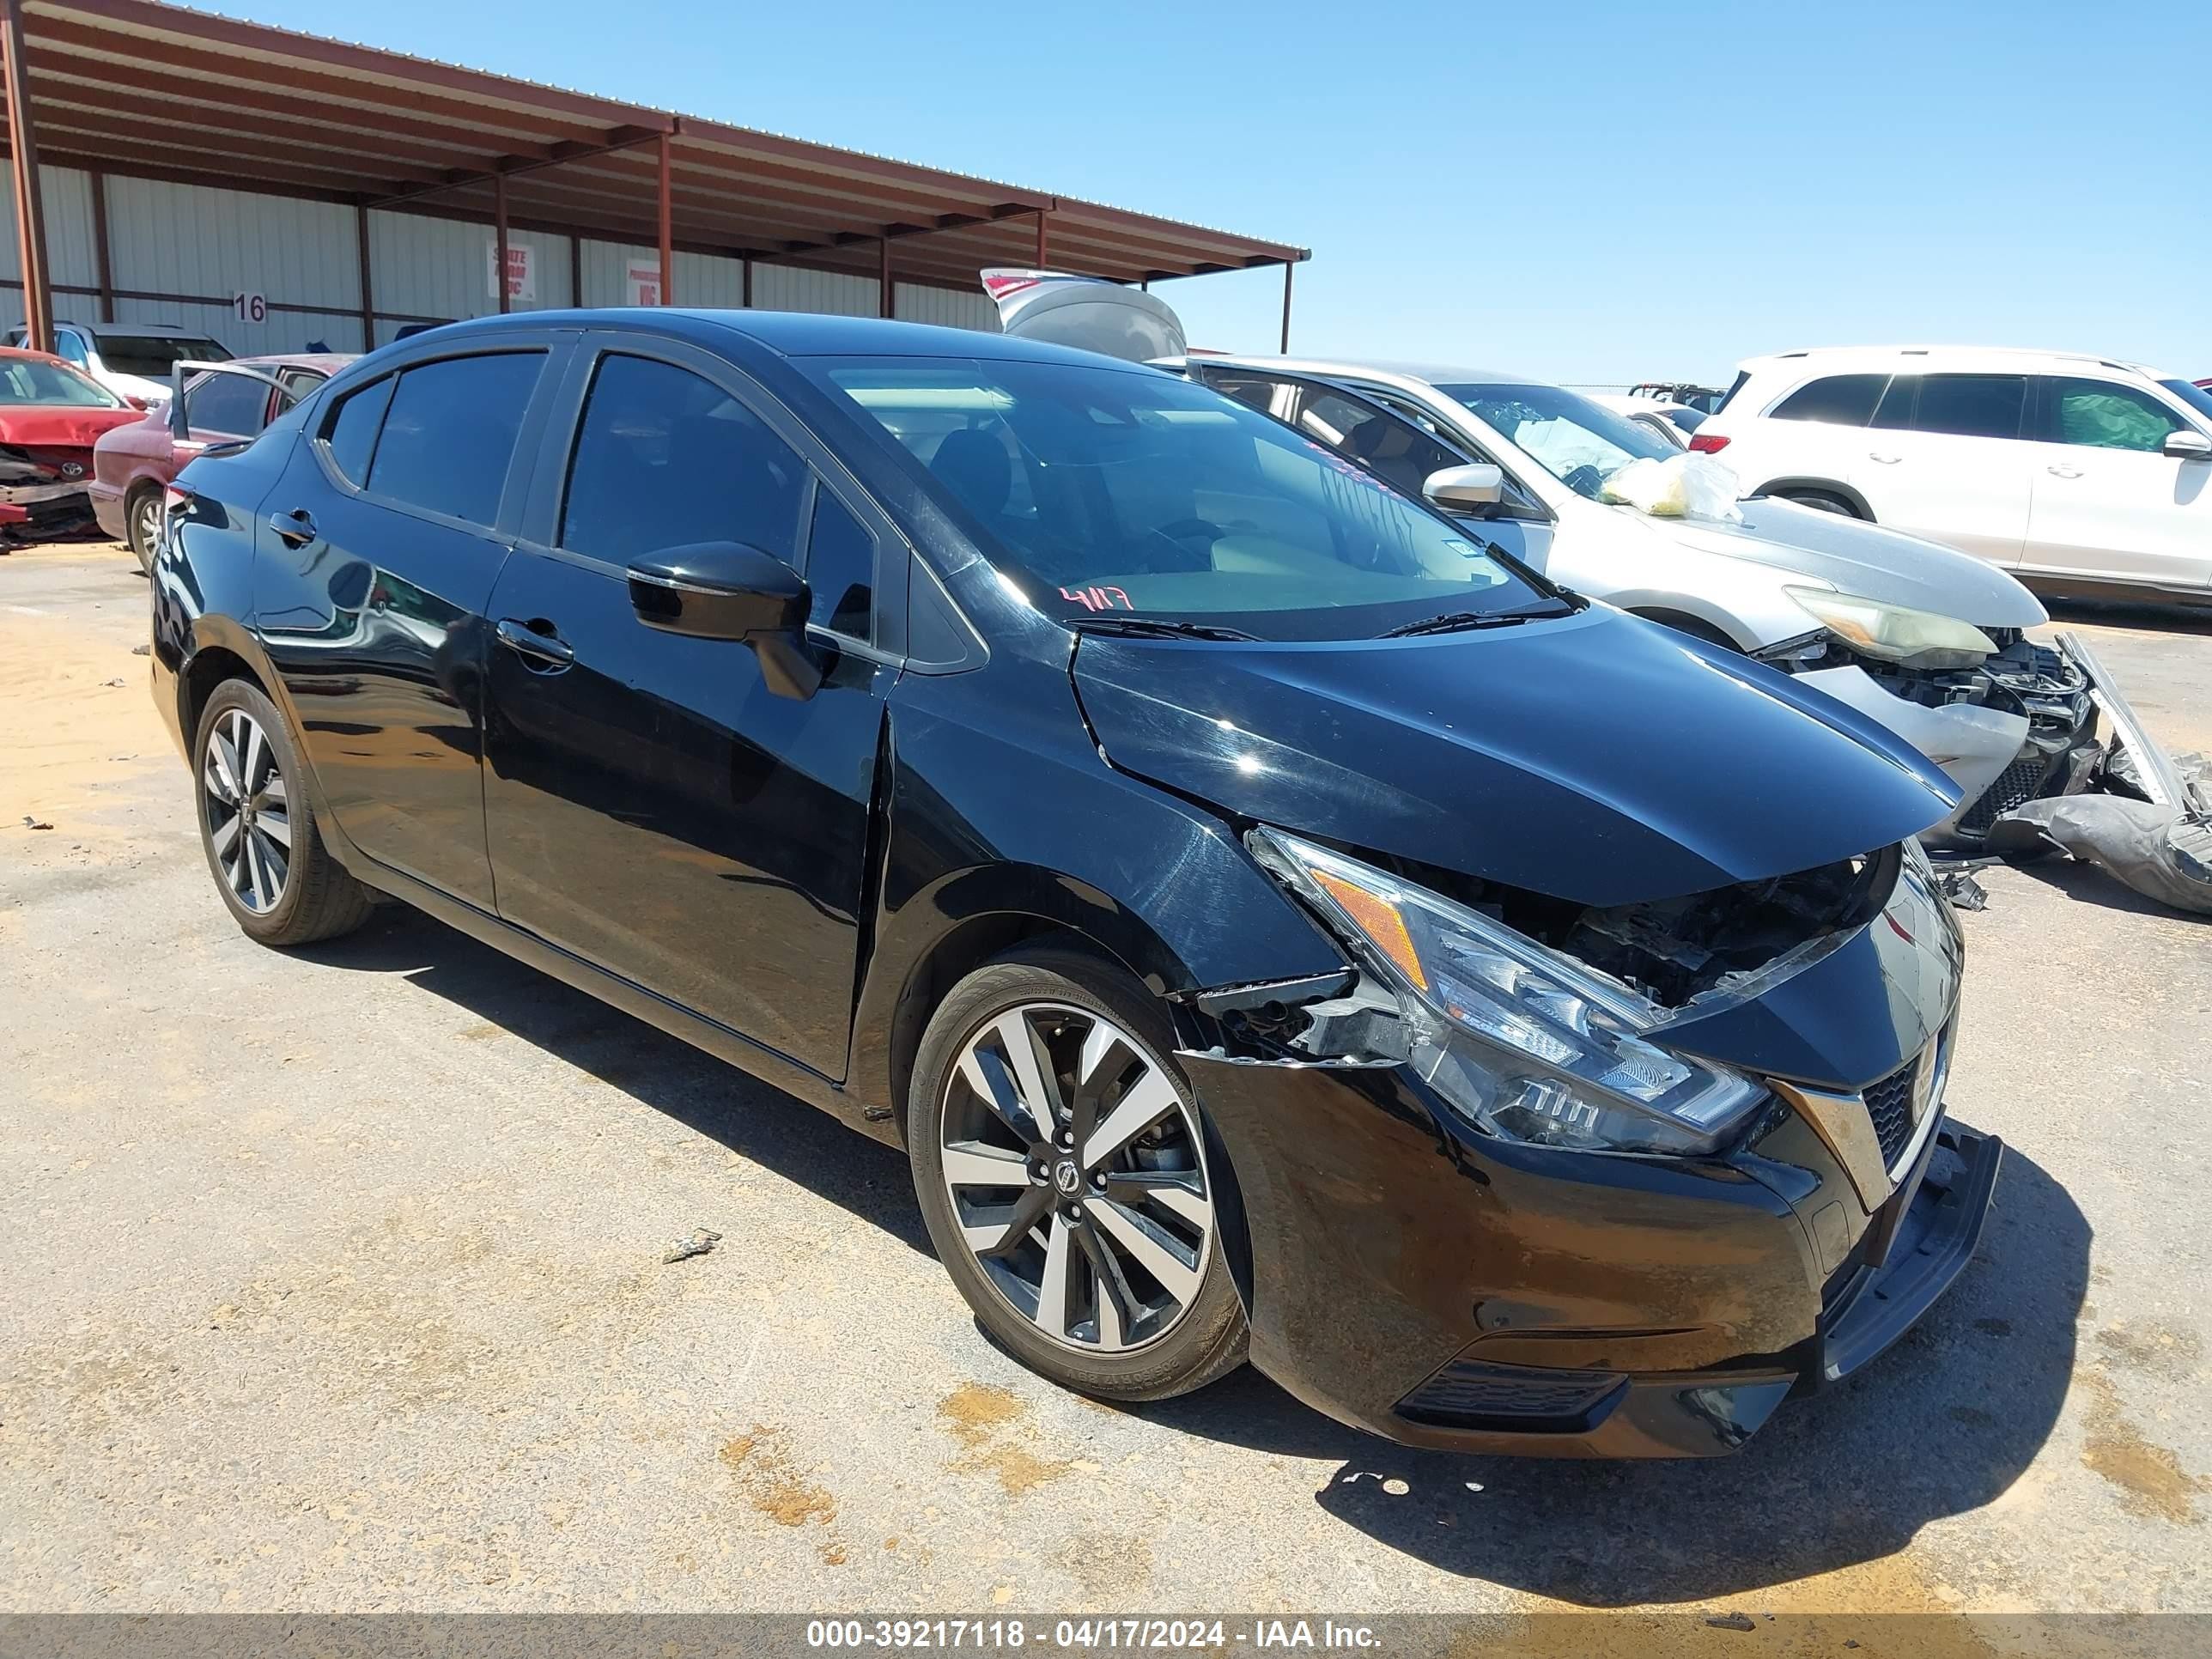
(153, 354)
(1114, 492)
(28, 380)
(2195, 396)
(1578, 442)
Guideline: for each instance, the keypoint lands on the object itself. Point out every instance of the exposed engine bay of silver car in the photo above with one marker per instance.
(2041, 684)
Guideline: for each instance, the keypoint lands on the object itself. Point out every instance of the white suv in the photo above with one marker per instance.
(2078, 474)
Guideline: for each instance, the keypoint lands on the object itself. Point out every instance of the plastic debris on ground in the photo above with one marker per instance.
(703, 1240)
(2163, 851)
(1957, 884)
(1685, 486)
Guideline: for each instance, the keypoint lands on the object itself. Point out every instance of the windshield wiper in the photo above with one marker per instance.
(1454, 622)
(1156, 628)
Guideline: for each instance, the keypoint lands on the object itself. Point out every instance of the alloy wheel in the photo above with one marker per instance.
(1077, 1177)
(146, 526)
(248, 810)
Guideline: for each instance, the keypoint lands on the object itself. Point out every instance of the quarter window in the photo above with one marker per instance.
(1972, 405)
(449, 435)
(840, 569)
(1837, 399)
(350, 436)
(666, 458)
(2104, 416)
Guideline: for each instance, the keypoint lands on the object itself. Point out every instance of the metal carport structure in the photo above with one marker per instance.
(137, 89)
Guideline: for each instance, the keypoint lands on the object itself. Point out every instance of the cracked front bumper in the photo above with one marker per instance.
(1441, 1288)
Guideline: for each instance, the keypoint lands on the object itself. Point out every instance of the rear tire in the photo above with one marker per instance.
(276, 879)
(1821, 501)
(1098, 1266)
(141, 524)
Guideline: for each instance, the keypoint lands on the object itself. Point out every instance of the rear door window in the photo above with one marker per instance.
(665, 457)
(1972, 405)
(448, 437)
(2104, 415)
(1837, 399)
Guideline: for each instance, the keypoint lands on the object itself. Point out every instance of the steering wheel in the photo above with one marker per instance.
(1585, 480)
(1181, 531)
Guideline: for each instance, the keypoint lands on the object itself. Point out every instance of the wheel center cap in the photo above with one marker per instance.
(1066, 1177)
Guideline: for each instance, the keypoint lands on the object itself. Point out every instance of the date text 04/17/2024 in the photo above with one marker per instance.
(1089, 1634)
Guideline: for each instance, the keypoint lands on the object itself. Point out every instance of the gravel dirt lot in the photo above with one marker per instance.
(334, 1281)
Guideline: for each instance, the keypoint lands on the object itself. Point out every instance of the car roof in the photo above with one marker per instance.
(329, 362)
(35, 356)
(2026, 356)
(134, 328)
(1429, 372)
(789, 333)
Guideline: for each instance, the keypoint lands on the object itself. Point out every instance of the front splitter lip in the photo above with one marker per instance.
(1714, 1411)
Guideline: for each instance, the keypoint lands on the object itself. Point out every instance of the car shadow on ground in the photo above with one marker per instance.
(1943, 1424)
(751, 1118)
(2084, 883)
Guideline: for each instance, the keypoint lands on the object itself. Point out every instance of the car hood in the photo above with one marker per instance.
(1861, 558)
(60, 426)
(1596, 758)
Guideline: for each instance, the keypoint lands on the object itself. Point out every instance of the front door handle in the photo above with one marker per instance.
(542, 650)
(1886, 461)
(293, 529)
(2063, 471)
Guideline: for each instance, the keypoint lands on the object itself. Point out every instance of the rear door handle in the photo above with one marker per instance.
(545, 650)
(293, 529)
(2063, 471)
(1886, 461)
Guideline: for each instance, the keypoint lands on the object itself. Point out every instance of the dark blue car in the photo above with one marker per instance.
(1275, 923)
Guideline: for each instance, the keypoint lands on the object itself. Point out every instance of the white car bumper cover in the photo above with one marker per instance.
(1970, 743)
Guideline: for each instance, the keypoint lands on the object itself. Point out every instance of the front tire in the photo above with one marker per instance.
(1060, 1159)
(277, 877)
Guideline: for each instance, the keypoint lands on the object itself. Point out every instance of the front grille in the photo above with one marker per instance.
(2016, 785)
(1889, 1103)
(1468, 1394)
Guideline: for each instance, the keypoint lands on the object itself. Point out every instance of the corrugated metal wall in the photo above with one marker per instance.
(198, 245)
(440, 270)
(70, 257)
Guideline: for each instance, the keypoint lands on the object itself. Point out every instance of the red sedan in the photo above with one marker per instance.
(223, 403)
(51, 415)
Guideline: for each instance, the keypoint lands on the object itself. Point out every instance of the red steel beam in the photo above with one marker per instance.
(667, 221)
(30, 205)
(499, 236)
(368, 292)
(103, 265)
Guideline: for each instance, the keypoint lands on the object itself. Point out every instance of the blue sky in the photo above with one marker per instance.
(1594, 194)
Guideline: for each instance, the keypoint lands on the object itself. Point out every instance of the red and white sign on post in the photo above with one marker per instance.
(521, 271)
(645, 283)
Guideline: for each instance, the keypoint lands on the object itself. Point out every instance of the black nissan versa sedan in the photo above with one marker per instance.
(1273, 924)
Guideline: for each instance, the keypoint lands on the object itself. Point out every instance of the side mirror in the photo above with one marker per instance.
(2189, 446)
(728, 591)
(1468, 490)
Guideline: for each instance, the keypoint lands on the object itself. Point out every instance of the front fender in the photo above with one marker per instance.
(997, 804)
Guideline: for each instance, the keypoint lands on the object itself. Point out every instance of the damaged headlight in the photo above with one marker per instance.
(1521, 1040)
(1895, 633)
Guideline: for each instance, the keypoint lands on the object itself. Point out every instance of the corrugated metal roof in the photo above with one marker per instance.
(134, 87)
